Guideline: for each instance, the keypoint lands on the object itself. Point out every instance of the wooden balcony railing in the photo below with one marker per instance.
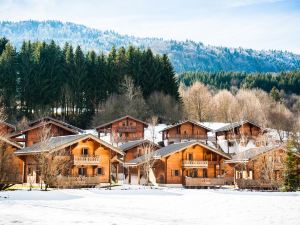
(86, 160)
(257, 184)
(79, 181)
(11, 179)
(187, 136)
(198, 182)
(194, 164)
(126, 129)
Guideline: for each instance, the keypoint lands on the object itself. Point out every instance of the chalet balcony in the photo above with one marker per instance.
(187, 136)
(79, 181)
(194, 164)
(257, 184)
(126, 129)
(11, 179)
(86, 160)
(207, 182)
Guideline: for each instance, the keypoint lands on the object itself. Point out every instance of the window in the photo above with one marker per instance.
(123, 124)
(250, 174)
(205, 173)
(175, 173)
(230, 143)
(100, 171)
(85, 151)
(190, 156)
(30, 171)
(81, 171)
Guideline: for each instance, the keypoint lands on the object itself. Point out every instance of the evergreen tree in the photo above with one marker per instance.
(275, 94)
(291, 178)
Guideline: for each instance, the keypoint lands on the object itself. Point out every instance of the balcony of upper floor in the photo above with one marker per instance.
(126, 129)
(86, 160)
(198, 163)
(194, 164)
(206, 182)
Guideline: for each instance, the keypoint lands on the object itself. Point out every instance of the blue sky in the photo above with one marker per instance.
(258, 24)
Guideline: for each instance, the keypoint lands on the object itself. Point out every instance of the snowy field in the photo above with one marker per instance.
(142, 206)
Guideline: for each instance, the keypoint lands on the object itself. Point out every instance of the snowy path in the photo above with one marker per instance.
(166, 206)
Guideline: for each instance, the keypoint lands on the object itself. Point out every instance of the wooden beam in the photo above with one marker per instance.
(109, 168)
(117, 172)
(166, 170)
(139, 175)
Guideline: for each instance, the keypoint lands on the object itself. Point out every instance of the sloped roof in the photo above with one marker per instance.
(61, 125)
(234, 125)
(173, 148)
(187, 121)
(57, 143)
(8, 124)
(121, 118)
(131, 144)
(48, 118)
(11, 142)
(254, 152)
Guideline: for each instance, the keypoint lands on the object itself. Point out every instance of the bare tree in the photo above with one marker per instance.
(50, 164)
(225, 105)
(148, 149)
(129, 102)
(197, 101)
(165, 107)
(23, 123)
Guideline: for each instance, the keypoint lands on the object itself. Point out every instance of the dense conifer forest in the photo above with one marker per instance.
(289, 82)
(44, 78)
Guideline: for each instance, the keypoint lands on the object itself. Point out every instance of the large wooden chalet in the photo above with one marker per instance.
(90, 161)
(259, 168)
(186, 130)
(191, 164)
(32, 134)
(123, 129)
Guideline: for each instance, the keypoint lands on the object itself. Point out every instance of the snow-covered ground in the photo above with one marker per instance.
(142, 206)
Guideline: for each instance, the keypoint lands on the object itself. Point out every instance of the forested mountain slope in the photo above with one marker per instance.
(185, 56)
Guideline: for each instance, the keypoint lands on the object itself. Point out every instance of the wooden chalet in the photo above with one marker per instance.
(11, 166)
(6, 129)
(135, 149)
(123, 129)
(90, 161)
(191, 164)
(240, 131)
(186, 130)
(259, 168)
(32, 134)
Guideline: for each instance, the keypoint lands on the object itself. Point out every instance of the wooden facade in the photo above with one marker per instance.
(6, 129)
(91, 161)
(32, 134)
(11, 166)
(187, 164)
(187, 130)
(240, 130)
(123, 129)
(259, 168)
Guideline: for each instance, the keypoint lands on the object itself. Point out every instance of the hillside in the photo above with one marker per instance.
(185, 56)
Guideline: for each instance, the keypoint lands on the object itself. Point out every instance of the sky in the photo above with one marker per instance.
(257, 24)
